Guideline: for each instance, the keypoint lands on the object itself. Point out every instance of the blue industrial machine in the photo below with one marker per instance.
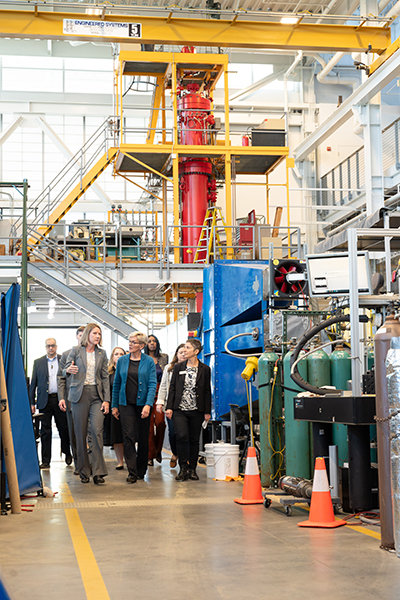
(232, 303)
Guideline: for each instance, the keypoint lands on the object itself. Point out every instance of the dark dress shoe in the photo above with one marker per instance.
(193, 475)
(159, 458)
(131, 479)
(68, 459)
(98, 479)
(119, 468)
(45, 466)
(85, 479)
(150, 463)
(183, 475)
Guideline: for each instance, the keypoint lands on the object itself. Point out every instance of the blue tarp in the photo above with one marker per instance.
(3, 593)
(20, 411)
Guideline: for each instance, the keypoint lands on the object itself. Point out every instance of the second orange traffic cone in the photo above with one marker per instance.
(321, 509)
(252, 483)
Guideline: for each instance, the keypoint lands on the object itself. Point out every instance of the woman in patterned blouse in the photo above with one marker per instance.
(188, 404)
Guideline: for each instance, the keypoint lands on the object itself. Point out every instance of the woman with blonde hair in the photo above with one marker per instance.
(89, 394)
(112, 426)
(134, 388)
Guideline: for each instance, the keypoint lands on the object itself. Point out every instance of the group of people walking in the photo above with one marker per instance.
(121, 403)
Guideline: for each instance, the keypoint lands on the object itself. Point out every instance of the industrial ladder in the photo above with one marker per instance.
(210, 245)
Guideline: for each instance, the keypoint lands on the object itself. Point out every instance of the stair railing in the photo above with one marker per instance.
(74, 171)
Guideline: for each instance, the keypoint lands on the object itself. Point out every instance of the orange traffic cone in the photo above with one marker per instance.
(321, 510)
(252, 483)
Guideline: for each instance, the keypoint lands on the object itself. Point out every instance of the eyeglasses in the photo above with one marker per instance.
(51, 345)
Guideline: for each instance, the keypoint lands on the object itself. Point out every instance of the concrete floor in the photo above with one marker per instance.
(160, 539)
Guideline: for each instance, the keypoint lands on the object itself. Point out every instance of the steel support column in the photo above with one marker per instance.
(373, 158)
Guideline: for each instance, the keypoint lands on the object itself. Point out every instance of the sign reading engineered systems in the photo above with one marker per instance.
(102, 28)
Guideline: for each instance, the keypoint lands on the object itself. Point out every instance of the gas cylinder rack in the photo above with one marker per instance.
(192, 152)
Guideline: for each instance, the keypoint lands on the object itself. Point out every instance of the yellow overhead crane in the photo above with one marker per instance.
(242, 29)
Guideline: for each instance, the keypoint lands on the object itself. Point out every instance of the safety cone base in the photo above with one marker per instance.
(321, 509)
(241, 501)
(252, 493)
(331, 525)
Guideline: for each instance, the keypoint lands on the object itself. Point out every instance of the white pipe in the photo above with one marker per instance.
(322, 75)
(329, 66)
(382, 4)
(294, 64)
(394, 11)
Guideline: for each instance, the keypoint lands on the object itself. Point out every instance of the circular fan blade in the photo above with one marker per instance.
(284, 287)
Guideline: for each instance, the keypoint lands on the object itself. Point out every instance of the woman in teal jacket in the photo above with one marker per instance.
(134, 388)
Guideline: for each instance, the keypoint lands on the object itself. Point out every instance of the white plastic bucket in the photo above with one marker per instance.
(226, 460)
(209, 452)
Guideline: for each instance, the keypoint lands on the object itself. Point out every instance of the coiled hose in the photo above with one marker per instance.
(294, 372)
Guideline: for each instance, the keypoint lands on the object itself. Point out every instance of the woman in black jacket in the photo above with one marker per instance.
(189, 404)
(112, 426)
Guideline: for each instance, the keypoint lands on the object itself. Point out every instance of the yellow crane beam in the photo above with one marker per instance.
(320, 37)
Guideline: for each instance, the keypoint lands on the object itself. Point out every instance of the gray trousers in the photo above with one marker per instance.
(89, 405)
(71, 432)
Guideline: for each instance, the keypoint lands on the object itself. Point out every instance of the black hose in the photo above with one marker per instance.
(297, 378)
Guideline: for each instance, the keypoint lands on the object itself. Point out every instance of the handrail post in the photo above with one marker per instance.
(24, 278)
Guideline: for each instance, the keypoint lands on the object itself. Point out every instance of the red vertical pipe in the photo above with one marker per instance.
(194, 174)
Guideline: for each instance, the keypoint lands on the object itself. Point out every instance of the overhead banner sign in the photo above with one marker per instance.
(102, 28)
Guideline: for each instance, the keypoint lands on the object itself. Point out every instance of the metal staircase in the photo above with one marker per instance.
(78, 301)
(71, 183)
(88, 289)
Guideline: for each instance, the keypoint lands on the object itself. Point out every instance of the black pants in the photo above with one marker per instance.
(52, 410)
(135, 429)
(187, 428)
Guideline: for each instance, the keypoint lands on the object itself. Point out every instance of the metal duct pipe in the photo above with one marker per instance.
(382, 4)
(383, 337)
(295, 486)
(393, 386)
(296, 61)
(322, 76)
(394, 11)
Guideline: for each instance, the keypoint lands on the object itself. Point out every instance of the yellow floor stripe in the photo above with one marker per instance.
(365, 530)
(92, 580)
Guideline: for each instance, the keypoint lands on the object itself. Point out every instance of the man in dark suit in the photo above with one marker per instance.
(44, 388)
(63, 383)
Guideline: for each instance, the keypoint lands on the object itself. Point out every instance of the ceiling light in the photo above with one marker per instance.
(289, 20)
(94, 11)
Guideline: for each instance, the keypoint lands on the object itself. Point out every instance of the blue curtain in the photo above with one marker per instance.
(18, 400)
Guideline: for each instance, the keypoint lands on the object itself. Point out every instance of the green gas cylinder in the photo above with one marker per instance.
(318, 368)
(340, 375)
(297, 433)
(372, 428)
(370, 357)
(319, 374)
(271, 424)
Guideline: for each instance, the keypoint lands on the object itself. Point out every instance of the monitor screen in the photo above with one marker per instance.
(328, 274)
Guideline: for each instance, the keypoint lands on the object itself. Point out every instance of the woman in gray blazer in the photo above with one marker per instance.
(89, 394)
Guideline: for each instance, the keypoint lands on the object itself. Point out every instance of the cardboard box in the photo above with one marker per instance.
(263, 248)
(2, 249)
(244, 254)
